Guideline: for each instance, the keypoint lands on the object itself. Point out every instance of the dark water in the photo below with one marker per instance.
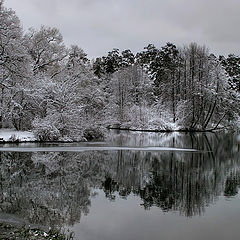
(135, 186)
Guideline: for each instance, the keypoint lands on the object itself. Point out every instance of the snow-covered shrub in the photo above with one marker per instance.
(14, 138)
(183, 113)
(93, 133)
(160, 118)
(160, 125)
(136, 118)
(45, 131)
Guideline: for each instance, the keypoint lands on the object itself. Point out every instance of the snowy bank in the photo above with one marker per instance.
(12, 135)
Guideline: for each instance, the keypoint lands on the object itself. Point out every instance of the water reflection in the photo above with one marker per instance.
(56, 189)
(232, 184)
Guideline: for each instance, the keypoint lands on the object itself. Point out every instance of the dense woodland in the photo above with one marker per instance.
(57, 92)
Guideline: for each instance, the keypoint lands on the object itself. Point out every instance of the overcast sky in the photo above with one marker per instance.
(98, 26)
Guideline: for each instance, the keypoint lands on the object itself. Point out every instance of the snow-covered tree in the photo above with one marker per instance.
(131, 92)
(71, 100)
(14, 67)
(207, 98)
(46, 48)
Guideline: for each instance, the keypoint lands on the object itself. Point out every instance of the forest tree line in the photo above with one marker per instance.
(59, 93)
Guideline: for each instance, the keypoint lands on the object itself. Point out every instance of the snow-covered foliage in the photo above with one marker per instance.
(57, 91)
(14, 65)
(46, 49)
(45, 131)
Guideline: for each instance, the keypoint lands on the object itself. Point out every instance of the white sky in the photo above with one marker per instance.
(98, 26)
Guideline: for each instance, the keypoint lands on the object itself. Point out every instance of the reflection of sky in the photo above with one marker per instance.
(126, 219)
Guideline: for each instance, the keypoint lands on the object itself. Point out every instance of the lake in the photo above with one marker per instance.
(134, 186)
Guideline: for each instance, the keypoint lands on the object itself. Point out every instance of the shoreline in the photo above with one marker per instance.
(166, 131)
(34, 140)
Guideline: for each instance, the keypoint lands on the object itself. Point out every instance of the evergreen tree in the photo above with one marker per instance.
(232, 66)
(112, 62)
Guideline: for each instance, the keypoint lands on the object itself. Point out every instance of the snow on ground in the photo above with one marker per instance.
(14, 135)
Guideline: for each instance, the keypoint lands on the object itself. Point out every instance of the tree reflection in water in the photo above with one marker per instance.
(55, 189)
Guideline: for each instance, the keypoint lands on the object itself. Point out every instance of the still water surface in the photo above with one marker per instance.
(133, 186)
